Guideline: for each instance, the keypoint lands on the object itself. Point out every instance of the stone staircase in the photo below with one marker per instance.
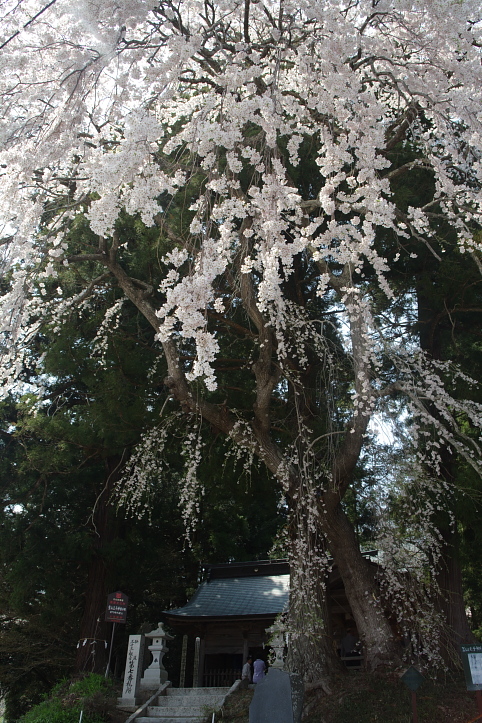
(184, 705)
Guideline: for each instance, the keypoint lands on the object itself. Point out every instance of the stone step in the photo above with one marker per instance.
(181, 711)
(185, 705)
(196, 691)
(196, 701)
(149, 719)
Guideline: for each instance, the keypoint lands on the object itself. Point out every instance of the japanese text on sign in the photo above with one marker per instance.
(116, 607)
(472, 664)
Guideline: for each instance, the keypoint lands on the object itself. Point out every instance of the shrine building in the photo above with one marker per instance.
(227, 617)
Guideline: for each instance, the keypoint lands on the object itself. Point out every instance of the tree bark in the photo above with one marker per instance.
(449, 575)
(95, 633)
(451, 600)
(311, 651)
(358, 575)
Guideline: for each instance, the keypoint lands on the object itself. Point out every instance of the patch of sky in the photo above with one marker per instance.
(14, 509)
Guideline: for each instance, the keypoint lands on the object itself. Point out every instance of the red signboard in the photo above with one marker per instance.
(116, 607)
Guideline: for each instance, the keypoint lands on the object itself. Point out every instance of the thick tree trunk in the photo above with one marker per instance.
(379, 644)
(95, 633)
(449, 582)
(451, 602)
(311, 650)
(431, 317)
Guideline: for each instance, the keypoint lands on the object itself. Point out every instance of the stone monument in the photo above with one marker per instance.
(278, 698)
(133, 671)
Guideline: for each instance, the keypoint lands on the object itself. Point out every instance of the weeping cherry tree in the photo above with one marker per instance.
(266, 141)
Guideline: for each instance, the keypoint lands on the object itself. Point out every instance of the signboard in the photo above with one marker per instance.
(116, 607)
(412, 678)
(472, 663)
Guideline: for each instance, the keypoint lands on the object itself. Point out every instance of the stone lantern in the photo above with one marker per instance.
(155, 675)
(277, 644)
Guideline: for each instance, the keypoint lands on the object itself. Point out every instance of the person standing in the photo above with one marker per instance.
(348, 644)
(259, 670)
(246, 676)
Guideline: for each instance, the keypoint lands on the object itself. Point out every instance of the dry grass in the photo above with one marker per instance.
(364, 698)
(236, 709)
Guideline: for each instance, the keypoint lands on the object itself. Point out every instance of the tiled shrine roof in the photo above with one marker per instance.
(241, 589)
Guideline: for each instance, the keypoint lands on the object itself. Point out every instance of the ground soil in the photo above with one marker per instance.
(362, 698)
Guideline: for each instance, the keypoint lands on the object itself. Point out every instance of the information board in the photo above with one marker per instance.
(472, 663)
(116, 607)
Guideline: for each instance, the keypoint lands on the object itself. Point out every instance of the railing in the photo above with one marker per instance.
(160, 691)
(221, 678)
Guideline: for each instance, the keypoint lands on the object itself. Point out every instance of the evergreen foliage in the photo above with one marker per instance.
(92, 695)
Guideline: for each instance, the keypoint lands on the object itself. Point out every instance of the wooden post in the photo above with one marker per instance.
(478, 697)
(195, 673)
(182, 676)
(201, 662)
(245, 647)
(414, 707)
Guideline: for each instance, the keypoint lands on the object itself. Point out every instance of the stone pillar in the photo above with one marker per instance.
(133, 671)
(156, 674)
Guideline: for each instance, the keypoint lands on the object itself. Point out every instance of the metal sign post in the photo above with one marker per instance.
(116, 612)
(413, 679)
(478, 697)
(110, 651)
